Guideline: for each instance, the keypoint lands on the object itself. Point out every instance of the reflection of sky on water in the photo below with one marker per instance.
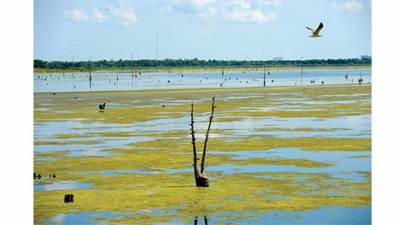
(345, 164)
(325, 215)
(83, 218)
(108, 81)
(345, 126)
(230, 169)
(60, 185)
(334, 215)
(46, 131)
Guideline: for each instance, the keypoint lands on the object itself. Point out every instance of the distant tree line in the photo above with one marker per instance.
(152, 63)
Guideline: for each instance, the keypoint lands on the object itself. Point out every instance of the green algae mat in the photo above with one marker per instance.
(282, 150)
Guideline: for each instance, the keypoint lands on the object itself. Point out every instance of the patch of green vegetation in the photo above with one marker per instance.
(70, 136)
(279, 161)
(141, 190)
(132, 193)
(83, 142)
(257, 142)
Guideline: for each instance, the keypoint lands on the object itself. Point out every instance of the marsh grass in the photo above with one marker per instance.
(159, 196)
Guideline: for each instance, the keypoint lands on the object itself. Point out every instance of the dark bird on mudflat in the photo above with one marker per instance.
(315, 33)
(102, 106)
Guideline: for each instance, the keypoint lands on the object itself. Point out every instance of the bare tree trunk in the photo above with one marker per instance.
(203, 158)
(200, 176)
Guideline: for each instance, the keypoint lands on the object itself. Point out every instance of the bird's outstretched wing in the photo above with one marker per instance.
(319, 28)
(311, 30)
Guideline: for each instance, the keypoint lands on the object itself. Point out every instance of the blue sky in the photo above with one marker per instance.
(204, 29)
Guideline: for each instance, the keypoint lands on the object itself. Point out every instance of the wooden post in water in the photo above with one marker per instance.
(73, 78)
(200, 176)
(132, 70)
(264, 76)
(301, 73)
(90, 75)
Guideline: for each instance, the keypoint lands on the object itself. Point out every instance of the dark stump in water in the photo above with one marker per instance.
(202, 182)
(68, 198)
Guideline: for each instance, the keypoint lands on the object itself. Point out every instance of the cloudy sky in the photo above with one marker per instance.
(206, 29)
(203, 29)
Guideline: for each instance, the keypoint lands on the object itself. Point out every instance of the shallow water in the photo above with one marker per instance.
(49, 130)
(89, 138)
(345, 126)
(325, 215)
(145, 81)
(346, 165)
(60, 185)
(82, 218)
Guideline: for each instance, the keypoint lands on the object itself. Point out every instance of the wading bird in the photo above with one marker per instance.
(102, 106)
(315, 33)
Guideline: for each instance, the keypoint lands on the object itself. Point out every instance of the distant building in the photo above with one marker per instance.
(277, 58)
(363, 57)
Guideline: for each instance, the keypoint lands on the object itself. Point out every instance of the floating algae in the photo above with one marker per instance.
(255, 174)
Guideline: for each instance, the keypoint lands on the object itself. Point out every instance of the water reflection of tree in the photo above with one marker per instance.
(205, 220)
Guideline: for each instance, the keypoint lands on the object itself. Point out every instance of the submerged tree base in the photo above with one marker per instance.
(202, 181)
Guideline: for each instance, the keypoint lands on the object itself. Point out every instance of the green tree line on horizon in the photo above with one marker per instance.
(153, 63)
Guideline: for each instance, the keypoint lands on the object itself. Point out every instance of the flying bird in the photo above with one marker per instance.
(315, 33)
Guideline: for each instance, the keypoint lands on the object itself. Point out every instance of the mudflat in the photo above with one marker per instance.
(132, 161)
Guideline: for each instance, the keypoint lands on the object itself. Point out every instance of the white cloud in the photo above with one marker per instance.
(99, 16)
(125, 17)
(204, 9)
(122, 13)
(259, 17)
(76, 14)
(243, 4)
(243, 11)
(191, 6)
(202, 3)
(252, 16)
(351, 5)
(270, 2)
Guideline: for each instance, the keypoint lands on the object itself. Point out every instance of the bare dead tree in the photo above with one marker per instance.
(200, 175)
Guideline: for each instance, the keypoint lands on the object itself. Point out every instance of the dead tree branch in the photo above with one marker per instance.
(203, 158)
(200, 176)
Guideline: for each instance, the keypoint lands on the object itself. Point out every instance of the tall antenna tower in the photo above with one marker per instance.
(157, 46)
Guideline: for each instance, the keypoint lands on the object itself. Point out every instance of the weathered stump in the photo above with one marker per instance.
(68, 198)
(202, 182)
